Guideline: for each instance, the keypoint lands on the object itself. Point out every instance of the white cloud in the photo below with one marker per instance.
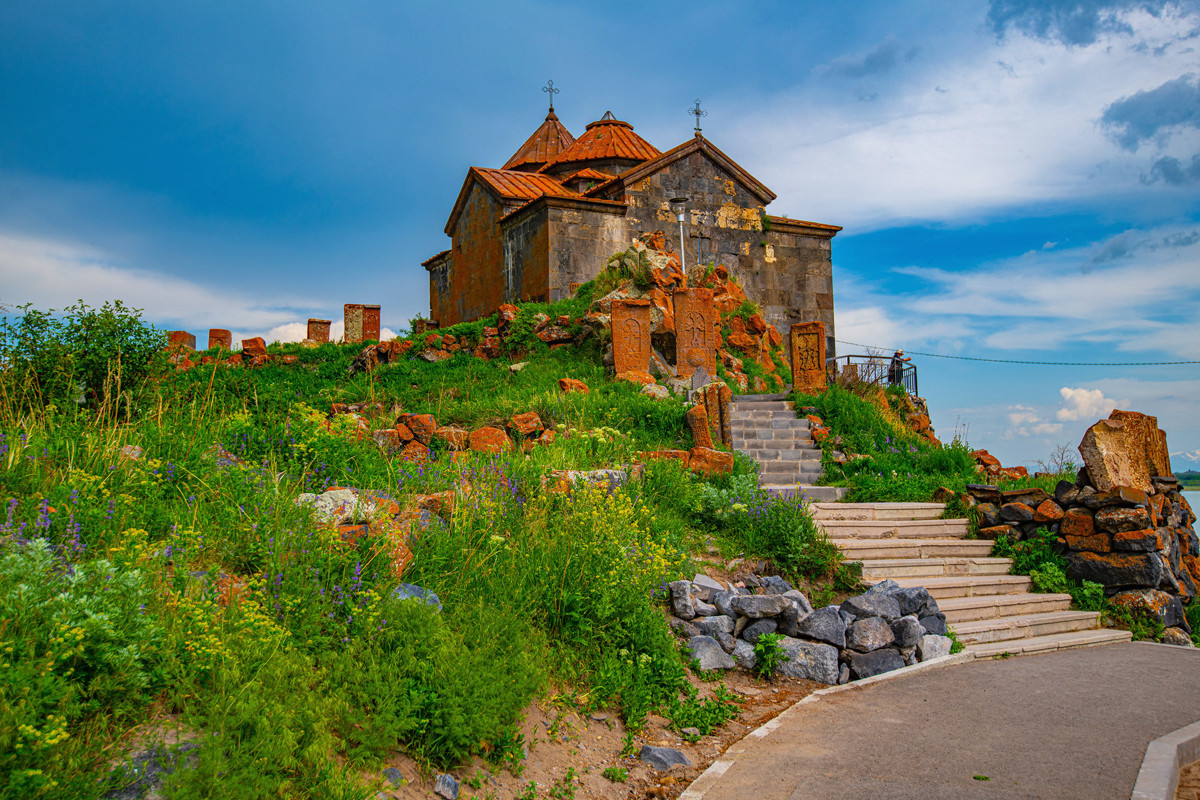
(297, 331)
(1084, 404)
(1022, 415)
(994, 125)
(1186, 455)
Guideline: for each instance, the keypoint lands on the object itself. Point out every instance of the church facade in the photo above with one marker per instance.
(548, 220)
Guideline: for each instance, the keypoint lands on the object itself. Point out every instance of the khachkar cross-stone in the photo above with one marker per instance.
(808, 357)
(550, 90)
(697, 112)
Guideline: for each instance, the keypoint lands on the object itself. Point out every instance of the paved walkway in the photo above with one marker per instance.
(1065, 725)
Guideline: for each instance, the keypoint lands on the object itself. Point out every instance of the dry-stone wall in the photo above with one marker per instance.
(883, 629)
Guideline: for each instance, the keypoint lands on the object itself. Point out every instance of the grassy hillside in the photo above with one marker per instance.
(155, 563)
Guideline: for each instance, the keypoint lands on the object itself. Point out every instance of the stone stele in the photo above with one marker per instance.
(631, 335)
(219, 337)
(695, 335)
(808, 357)
(1127, 449)
(353, 314)
(318, 329)
(370, 323)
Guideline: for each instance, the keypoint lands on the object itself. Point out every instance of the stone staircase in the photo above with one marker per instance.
(992, 613)
(765, 427)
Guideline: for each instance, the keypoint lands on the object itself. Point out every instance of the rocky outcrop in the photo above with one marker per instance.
(883, 629)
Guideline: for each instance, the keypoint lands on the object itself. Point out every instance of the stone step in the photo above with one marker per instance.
(895, 529)
(878, 569)
(1050, 643)
(773, 422)
(915, 549)
(970, 585)
(756, 414)
(775, 444)
(788, 471)
(755, 398)
(772, 434)
(968, 609)
(824, 494)
(1025, 626)
(806, 458)
(877, 511)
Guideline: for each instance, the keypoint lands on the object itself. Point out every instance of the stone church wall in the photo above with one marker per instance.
(581, 241)
(473, 283)
(526, 248)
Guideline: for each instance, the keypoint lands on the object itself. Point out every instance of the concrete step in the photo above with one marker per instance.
(895, 529)
(1050, 643)
(1025, 626)
(824, 494)
(878, 569)
(970, 585)
(915, 549)
(877, 511)
(773, 435)
(968, 609)
(761, 414)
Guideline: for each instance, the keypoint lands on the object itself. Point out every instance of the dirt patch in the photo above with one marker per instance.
(560, 739)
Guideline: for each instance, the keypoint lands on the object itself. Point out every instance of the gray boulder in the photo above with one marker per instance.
(393, 776)
(410, 591)
(799, 601)
(759, 605)
(909, 654)
(722, 601)
(870, 633)
(774, 584)
(708, 652)
(885, 587)
(824, 625)
(727, 642)
(873, 605)
(934, 624)
(711, 626)
(811, 661)
(683, 629)
(446, 786)
(915, 600)
(847, 617)
(877, 662)
(681, 599)
(758, 629)
(704, 609)
(908, 631)
(843, 674)
(743, 654)
(930, 647)
(663, 758)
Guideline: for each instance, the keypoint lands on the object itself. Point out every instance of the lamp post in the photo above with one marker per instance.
(679, 205)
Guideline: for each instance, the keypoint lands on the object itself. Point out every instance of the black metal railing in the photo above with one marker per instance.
(873, 369)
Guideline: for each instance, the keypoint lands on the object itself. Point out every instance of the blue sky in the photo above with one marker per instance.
(1017, 179)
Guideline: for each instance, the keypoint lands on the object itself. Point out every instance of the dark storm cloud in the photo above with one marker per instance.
(1174, 172)
(1140, 117)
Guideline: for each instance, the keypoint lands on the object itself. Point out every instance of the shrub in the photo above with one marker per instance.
(768, 654)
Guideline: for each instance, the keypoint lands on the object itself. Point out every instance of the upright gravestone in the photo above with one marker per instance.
(318, 330)
(631, 336)
(179, 340)
(353, 315)
(219, 337)
(424, 326)
(808, 357)
(370, 324)
(716, 397)
(695, 331)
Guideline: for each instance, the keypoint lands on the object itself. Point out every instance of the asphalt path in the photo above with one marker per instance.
(1059, 726)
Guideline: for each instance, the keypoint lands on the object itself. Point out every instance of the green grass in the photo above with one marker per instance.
(116, 572)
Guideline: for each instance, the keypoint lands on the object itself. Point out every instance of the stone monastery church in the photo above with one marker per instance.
(550, 217)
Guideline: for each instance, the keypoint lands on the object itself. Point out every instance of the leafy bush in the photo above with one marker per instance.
(768, 654)
(704, 715)
(86, 355)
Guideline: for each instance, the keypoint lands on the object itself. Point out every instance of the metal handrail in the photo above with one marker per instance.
(873, 369)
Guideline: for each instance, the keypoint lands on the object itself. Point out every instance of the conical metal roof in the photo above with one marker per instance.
(550, 139)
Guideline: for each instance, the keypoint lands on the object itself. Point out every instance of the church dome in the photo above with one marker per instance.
(550, 139)
(608, 140)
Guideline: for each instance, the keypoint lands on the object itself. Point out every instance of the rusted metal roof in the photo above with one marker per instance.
(587, 174)
(606, 139)
(550, 139)
(513, 185)
(427, 263)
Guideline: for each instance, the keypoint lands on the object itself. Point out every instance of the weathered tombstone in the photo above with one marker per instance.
(695, 337)
(318, 330)
(850, 374)
(716, 397)
(701, 378)
(177, 340)
(219, 337)
(353, 315)
(370, 323)
(424, 326)
(631, 336)
(808, 357)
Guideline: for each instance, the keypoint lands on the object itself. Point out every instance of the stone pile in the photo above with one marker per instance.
(1123, 523)
(883, 629)
(990, 466)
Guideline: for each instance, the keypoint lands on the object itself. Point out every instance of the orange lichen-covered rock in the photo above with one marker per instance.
(1147, 540)
(415, 451)
(738, 337)
(682, 456)
(642, 378)
(774, 336)
(490, 440)
(1077, 522)
(527, 424)
(697, 422)
(1047, 511)
(254, 347)
(1127, 449)
(453, 438)
(440, 503)
(756, 324)
(404, 433)
(421, 425)
(709, 461)
(569, 385)
(547, 437)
